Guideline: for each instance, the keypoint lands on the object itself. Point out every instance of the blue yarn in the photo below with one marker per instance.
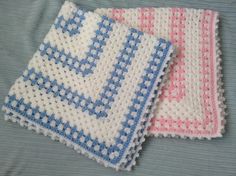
(88, 137)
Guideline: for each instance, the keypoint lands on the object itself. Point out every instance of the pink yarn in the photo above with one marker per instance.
(209, 122)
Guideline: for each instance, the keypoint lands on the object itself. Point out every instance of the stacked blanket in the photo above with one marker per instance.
(99, 81)
(192, 102)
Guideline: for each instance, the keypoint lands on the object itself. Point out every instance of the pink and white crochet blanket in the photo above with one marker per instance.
(192, 102)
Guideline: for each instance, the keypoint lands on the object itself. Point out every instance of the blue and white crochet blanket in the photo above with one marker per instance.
(91, 85)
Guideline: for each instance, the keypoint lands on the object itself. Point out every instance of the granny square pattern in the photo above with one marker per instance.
(91, 85)
(192, 103)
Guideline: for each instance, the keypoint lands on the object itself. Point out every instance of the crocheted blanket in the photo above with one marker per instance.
(192, 102)
(91, 85)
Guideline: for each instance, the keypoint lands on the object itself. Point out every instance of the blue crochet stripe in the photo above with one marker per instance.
(139, 94)
(79, 100)
(58, 121)
(129, 117)
(72, 25)
(85, 65)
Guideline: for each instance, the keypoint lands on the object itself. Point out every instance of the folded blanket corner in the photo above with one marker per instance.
(92, 85)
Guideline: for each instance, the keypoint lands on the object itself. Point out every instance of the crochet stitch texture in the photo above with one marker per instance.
(192, 102)
(91, 85)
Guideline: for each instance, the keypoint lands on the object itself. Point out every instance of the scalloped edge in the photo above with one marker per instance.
(24, 122)
(30, 125)
(152, 105)
(164, 78)
(221, 105)
(219, 79)
(220, 98)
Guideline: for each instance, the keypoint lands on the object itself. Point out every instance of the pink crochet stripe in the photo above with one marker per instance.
(182, 127)
(213, 76)
(146, 19)
(117, 14)
(176, 89)
(208, 123)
